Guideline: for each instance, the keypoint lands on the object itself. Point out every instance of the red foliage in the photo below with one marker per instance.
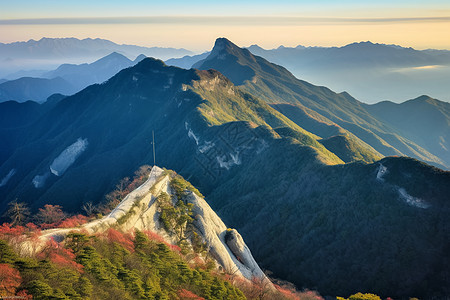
(175, 248)
(290, 293)
(13, 231)
(156, 237)
(121, 238)
(50, 214)
(14, 235)
(60, 256)
(32, 227)
(24, 295)
(10, 280)
(188, 295)
(73, 221)
(49, 226)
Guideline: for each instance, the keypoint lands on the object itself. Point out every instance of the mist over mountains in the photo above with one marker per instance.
(49, 53)
(67, 79)
(370, 72)
(299, 169)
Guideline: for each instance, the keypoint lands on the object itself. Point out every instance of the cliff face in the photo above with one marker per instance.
(144, 209)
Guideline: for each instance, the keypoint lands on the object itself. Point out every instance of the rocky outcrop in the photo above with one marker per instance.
(140, 210)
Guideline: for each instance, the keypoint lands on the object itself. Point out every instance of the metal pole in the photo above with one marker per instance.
(154, 158)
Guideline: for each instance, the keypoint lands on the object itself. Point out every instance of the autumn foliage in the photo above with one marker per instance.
(119, 237)
(73, 221)
(188, 295)
(10, 280)
(157, 238)
(60, 256)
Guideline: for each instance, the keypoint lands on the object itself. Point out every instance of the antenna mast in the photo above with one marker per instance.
(154, 158)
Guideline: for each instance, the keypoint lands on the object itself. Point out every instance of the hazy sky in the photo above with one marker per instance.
(196, 24)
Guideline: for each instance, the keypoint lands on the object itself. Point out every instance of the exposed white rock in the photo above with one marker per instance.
(236, 259)
(39, 180)
(66, 158)
(206, 146)
(382, 170)
(141, 208)
(413, 201)
(7, 177)
(191, 133)
(240, 250)
(228, 163)
(262, 146)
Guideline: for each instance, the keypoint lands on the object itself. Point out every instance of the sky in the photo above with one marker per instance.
(195, 25)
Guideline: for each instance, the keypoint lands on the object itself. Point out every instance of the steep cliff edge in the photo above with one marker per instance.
(172, 208)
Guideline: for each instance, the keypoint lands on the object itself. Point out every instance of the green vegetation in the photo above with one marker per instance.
(175, 218)
(226, 103)
(276, 85)
(176, 214)
(361, 296)
(123, 219)
(113, 266)
(181, 186)
(349, 150)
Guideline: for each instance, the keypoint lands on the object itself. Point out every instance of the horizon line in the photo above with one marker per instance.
(234, 20)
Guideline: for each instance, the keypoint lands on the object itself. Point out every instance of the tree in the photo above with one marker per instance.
(361, 296)
(7, 255)
(50, 214)
(89, 208)
(18, 212)
(39, 289)
(143, 172)
(76, 241)
(10, 280)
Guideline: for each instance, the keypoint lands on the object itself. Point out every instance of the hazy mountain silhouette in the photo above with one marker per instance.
(424, 120)
(36, 89)
(48, 53)
(370, 72)
(83, 75)
(66, 79)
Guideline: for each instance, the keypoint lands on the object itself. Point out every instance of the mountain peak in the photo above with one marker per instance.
(140, 58)
(115, 55)
(223, 44)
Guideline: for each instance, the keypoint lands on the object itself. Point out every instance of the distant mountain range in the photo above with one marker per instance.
(36, 89)
(66, 79)
(48, 53)
(294, 166)
(370, 72)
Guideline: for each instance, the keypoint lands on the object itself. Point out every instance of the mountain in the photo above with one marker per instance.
(371, 72)
(160, 205)
(123, 110)
(48, 53)
(36, 89)
(307, 216)
(174, 233)
(276, 85)
(423, 120)
(66, 79)
(99, 71)
(14, 117)
(186, 62)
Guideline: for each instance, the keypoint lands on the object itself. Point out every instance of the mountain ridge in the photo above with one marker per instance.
(261, 172)
(276, 85)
